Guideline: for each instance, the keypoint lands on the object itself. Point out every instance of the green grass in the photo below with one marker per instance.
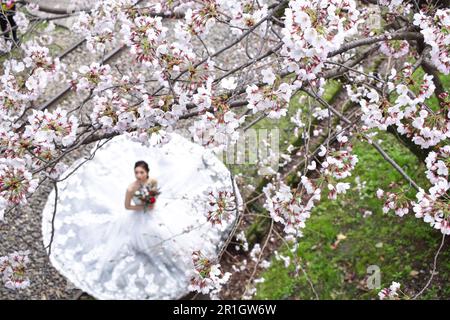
(399, 246)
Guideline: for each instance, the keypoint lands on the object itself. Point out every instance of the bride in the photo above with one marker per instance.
(134, 249)
(141, 171)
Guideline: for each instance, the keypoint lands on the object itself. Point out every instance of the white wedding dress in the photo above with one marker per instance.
(114, 253)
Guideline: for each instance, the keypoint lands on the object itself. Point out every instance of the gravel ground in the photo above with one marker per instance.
(22, 227)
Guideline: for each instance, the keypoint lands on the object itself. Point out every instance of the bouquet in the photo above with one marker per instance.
(147, 194)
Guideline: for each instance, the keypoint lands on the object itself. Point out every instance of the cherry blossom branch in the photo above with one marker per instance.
(373, 143)
(255, 268)
(399, 35)
(230, 45)
(49, 245)
(433, 271)
(236, 222)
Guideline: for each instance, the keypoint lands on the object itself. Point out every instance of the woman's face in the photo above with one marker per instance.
(140, 174)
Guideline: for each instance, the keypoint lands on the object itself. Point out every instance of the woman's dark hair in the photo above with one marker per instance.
(143, 165)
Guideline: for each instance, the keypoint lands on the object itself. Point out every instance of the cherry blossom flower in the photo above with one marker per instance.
(298, 122)
(150, 137)
(207, 274)
(110, 112)
(341, 187)
(380, 193)
(203, 97)
(367, 213)
(228, 83)
(408, 113)
(44, 68)
(435, 32)
(286, 208)
(427, 88)
(217, 131)
(306, 24)
(52, 127)
(432, 208)
(201, 20)
(392, 4)
(94, 77)
(22, 21)
(396, 202)
(268, 76)
(395, 48)
(144, 36)
(220, 204)
(98, 26)
(242, 240)
(266, 98)
(245, 14)
(339, 164)
(391, 292)
(13, 270)
(16, 182)
(286, 259)
(255, 252)
(56, 171)
(436, 163)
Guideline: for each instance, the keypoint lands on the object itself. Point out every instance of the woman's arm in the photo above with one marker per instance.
(128, 205)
